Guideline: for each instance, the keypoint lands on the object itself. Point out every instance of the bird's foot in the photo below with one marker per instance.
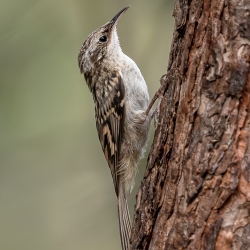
(155, 114)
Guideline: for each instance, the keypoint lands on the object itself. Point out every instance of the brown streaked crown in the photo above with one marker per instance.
(94, 47)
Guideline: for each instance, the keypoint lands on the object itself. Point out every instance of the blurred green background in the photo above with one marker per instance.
(56, 190)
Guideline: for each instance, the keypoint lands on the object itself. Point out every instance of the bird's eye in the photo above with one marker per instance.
(102, 39)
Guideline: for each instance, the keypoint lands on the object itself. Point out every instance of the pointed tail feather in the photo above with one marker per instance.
(124, 221)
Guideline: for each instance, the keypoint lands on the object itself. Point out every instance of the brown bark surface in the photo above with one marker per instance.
(196, 189)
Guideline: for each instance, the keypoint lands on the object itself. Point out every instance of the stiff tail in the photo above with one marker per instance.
(124, 220)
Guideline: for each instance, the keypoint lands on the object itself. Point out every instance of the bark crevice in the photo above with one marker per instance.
(196, 190)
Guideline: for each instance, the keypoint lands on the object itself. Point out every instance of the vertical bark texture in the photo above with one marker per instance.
(196, 190)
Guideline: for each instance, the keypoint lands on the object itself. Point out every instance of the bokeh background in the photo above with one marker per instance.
(56, 190)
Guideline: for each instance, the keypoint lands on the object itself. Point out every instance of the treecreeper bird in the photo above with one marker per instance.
(121, 98)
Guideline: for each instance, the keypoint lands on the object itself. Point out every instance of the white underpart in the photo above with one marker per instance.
(135, 131)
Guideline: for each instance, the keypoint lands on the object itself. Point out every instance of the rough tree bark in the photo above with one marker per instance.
(196, 189)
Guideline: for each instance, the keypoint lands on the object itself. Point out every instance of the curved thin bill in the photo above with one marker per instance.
(118, 15)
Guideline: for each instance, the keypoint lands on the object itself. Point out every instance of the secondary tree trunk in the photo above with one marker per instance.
(196, 190)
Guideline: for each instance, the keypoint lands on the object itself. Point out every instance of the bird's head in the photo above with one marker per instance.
(100, 44)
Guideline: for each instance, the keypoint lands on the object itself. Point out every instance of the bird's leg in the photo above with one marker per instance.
(156, 112)
(158, 95)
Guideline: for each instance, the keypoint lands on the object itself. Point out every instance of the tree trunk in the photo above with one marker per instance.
(196, 189)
